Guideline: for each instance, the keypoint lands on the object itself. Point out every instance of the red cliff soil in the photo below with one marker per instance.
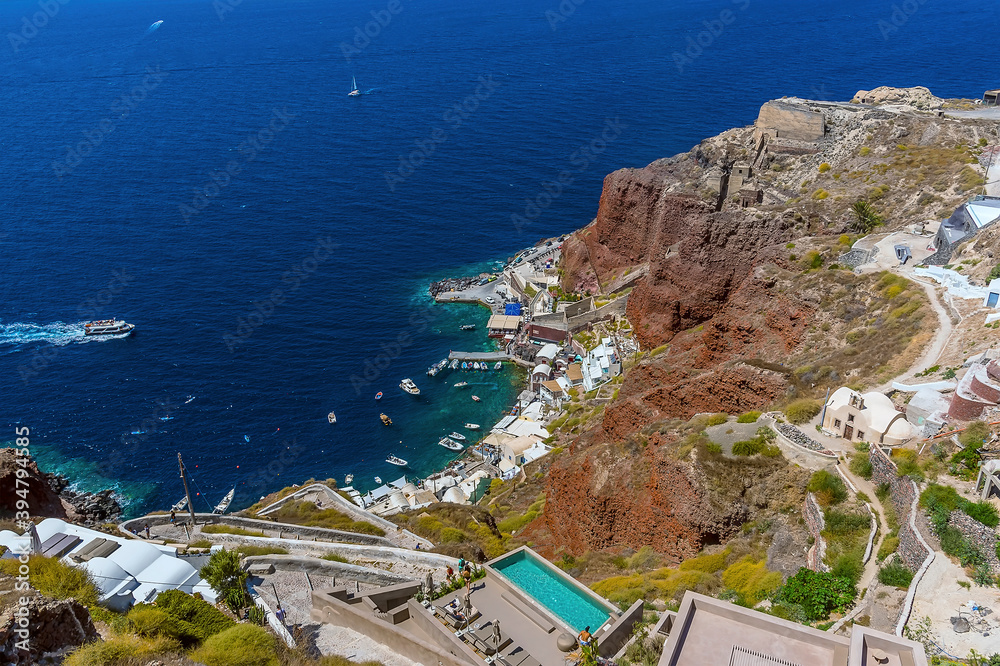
(41, 498)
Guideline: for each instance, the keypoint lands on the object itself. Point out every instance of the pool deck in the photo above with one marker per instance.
(486, 597)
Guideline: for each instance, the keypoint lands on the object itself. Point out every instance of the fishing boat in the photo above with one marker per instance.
(472, 426)
(408, 386)
(331, 417)
(107, 327)
(354, 88)
(246, 438)
(378, 480)
(465, 365)
(190, 398)
(396, 460)
(226, 501)
(475, 365)
(454, 364)
(437, 367)
(457, 436)
(180, 505)
(461, 384)
(349, 479)
(476, 398)
(498, 366)
(378, 396)
(385, 419)
(468, 327)
(450, 444)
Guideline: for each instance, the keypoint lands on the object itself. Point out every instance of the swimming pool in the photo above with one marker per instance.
(538, 580)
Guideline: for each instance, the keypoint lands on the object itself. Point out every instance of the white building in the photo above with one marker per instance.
(868, 417)
(600, 365)
(552, 393)
(547, 353)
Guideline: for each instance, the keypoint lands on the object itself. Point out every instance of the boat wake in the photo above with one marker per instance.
(57, 333)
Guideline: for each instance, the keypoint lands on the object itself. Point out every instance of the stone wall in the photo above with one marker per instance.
(607, 311)
(791, 121)
(815, 523)
(854, 258)
(982, 536)
(943, 254)
(902, 493)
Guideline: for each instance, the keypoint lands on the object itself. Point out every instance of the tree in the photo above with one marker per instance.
(866, 218)
(223, 571)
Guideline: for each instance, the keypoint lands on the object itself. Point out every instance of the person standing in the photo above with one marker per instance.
(147, 530)
(173, 516)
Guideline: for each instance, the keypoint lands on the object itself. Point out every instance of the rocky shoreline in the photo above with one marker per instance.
(455, 284)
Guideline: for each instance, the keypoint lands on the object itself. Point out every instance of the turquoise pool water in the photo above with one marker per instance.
(561, 598)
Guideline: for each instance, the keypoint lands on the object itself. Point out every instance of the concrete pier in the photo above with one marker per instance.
(479, 356)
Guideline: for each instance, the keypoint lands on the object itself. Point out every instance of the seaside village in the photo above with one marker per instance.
(329, 570)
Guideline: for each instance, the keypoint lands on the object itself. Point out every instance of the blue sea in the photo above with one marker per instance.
(210, 180)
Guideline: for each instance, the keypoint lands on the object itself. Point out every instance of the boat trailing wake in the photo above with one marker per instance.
(58, 333)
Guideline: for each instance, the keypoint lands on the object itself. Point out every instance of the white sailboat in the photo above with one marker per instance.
(354, 88)
(226, 501)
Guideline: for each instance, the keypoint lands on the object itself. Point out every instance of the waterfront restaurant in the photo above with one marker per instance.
(502, 326)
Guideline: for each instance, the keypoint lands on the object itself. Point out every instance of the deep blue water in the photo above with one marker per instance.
(98, 226)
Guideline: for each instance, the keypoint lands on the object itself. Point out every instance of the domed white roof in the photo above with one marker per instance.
(900, 430)
(548, 351)
(454, 495)
(880, 409)
(134, 556)
(107, 575)
(398, 501)
(542, 369)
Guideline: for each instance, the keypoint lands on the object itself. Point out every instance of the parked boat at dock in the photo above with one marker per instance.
(498, 366)
(454, 364)
(385, 419)
(457, 436)
(226, 501)
(450, 444)
(396, 460)
(437, 367)
(408, 386)
(472, 426)
(349, 479)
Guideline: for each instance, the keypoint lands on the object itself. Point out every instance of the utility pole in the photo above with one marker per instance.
(187, 493)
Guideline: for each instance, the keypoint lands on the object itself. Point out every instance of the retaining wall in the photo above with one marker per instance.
(340, 570)
(982, 536)
(286, 530)
(815, 522)
(902, 494)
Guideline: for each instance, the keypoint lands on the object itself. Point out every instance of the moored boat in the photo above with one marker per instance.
(180, 505)
(461, 384)
(498, 366)
(385, 419)
(408, 386)
(226, 501)
(457, 436)
(450, 444)
(349, 479)
(331, 417)
(465, 365)
(472, 426)
(476, 398)
(396, 460)
(107, 327)
(378, 396)
(437, 367)
(378, 480)
(454, 364)
(468, 327)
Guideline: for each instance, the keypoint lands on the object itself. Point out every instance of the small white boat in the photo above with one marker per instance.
(331, 417)
(476, 398)
(226, 501)
(437, 367)
(454, 364)
(472, 426)
(396, 460)
(468, 327)
(107, 327)
(349, 479)
(498, 366)
(354, 88)
(408, 386)
(190, 398)
(378, 480)
(450, 444)
(457, 436)
(475, 365)
(461, 384)
(180, 505)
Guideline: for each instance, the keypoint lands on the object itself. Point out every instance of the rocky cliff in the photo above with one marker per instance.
(48, 495)
(53, 627)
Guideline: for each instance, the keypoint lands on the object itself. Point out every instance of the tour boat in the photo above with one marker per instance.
(396, 460)
(226, 501)
(107, 327)
(354, 88)
(408, 386)
(378, 396)
(468, 327)
(457, 436)
(472, 426)
(476, 398)
(331, 417)
(450, 444)
(461, 384)
(385, 419)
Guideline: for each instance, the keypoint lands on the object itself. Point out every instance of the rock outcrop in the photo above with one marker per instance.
(53, 627)
(918, 97)
(49, 495)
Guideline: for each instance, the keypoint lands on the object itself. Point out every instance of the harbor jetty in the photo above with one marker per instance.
(490, 357)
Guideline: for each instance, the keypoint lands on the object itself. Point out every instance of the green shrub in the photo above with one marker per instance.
(849, 567)
(747, 447)
(889, 546)
(861, 465)
(252, 551)
(54, 579)
(229, 529)
(828, 488)
(153, 622)
(224, 572)
(939, 499)
(309, 515)
(334, 557)
(717, 419)
(751, 580)
(803, 410)
(712, 447)
(748, 417)
(895, 573)
(824, 167)
(819, 593)
(121, 649)
(242, 645)
(452, 535)
(706, 563)
(206, 619)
